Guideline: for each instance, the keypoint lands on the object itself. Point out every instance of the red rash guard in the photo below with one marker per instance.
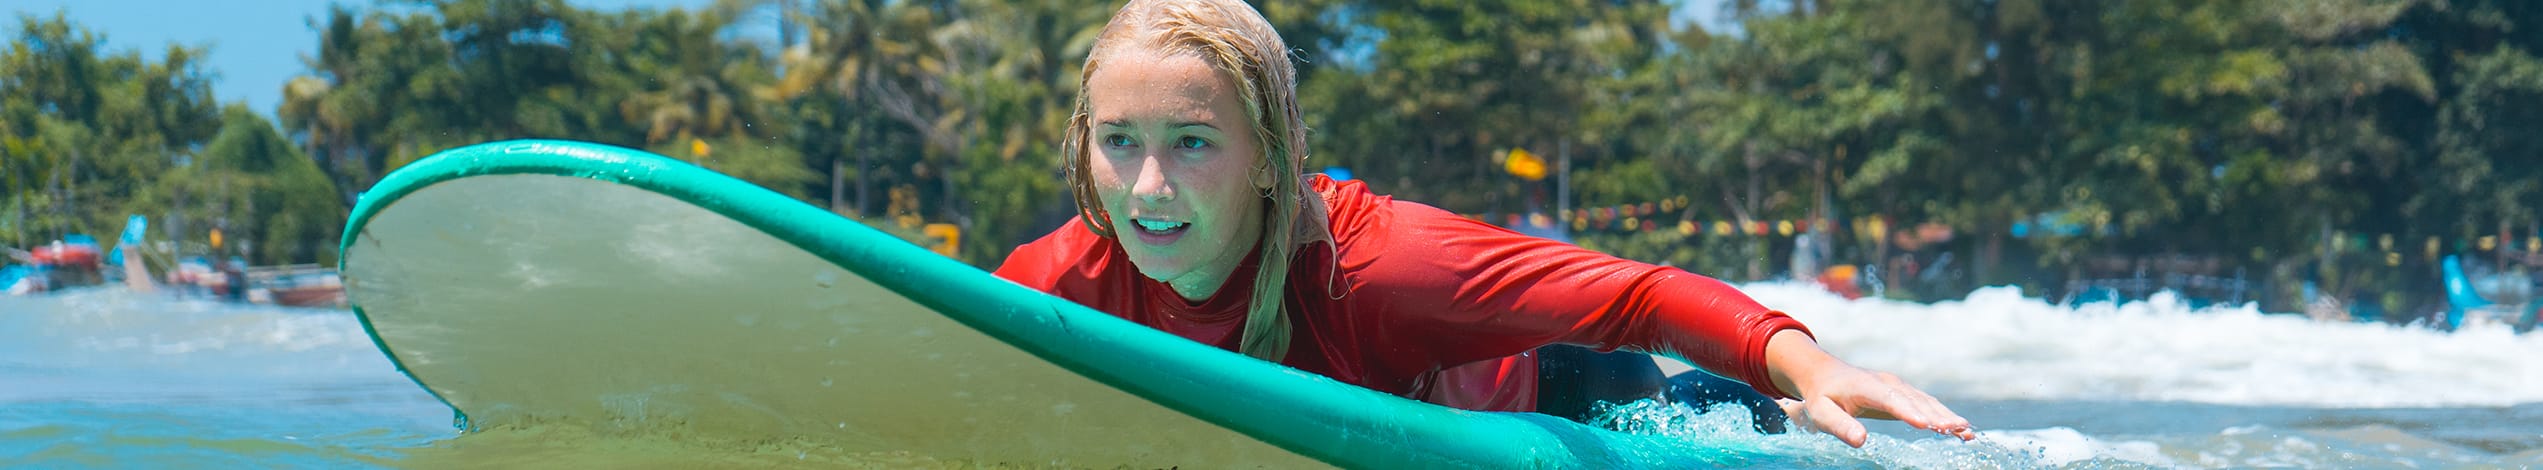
(1422, 292)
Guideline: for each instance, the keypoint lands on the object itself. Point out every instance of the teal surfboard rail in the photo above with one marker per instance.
(1312, 415)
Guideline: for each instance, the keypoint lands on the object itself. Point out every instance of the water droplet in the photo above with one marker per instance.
(825, 279)
(825, 381)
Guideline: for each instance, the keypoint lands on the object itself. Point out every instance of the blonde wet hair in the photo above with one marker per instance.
(1235, 40)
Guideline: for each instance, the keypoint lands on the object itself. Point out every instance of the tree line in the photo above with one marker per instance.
(2260, 134)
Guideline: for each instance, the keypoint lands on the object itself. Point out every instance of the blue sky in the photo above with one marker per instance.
(256, 44)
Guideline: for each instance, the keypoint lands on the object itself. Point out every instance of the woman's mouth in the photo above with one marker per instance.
(1160, 232)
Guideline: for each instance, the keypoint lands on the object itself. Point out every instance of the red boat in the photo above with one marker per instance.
(64, 255)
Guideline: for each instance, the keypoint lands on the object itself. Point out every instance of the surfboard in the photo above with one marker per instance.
(528, 282)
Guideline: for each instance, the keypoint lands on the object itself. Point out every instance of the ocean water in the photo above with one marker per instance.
(110, 378)
(105, 378)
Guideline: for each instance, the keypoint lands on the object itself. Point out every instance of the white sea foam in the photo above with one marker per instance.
(2000, 344)
(117, 329)
(2061, 446)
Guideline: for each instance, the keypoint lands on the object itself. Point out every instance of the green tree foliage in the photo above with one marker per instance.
(1425, 97)
(85, 131)
(262, 192)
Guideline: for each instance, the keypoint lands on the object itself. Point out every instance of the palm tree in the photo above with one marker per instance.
(880, 56)
(708, 88)
(336, 111)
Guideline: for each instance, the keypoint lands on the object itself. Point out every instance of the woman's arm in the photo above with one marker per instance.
(1468, 291)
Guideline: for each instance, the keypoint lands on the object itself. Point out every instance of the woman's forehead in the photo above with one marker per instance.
(1144, 88)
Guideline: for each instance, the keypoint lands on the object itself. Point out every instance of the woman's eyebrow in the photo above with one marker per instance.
(1170, 125)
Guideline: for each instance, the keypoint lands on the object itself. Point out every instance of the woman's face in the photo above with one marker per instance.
(1172, 157)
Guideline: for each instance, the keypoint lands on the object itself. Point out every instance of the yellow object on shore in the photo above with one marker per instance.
(1524, 165)
(951, 234)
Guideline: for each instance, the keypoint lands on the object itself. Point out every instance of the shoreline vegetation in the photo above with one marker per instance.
(2330, 149)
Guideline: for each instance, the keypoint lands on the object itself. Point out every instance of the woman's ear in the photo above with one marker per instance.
(1263, 176)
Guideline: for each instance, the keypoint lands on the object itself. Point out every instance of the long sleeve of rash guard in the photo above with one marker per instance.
(1470, 291)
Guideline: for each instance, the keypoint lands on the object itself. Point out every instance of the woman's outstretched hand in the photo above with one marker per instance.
(1833, 393)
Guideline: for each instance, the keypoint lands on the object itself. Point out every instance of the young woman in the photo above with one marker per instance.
(1184, 158)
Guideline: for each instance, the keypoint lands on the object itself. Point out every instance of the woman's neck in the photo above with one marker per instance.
(1198, 289)
(1198, 294)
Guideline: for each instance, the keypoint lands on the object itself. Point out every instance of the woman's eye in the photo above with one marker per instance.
(1116, 140)
(1191, 143)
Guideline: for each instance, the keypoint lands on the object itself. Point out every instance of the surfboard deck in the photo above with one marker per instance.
(529, 282)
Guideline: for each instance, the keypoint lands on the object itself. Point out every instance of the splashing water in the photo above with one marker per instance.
(2052, 447)
(1999, 345)
(2155, 384)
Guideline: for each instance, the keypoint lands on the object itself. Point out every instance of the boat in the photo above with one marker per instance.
(300, 285)
(73, 261)
(2476, 298)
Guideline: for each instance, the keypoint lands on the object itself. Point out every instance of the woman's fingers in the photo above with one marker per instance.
(1824, 415)
(1921, 410)
(1931, 414)
(1834, 408)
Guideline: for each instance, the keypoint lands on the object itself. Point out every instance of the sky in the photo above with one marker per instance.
(256, 45)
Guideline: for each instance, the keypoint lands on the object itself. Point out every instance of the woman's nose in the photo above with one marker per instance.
(1151, 186)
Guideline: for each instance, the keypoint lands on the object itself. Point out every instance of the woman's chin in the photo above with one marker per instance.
(1158, 268)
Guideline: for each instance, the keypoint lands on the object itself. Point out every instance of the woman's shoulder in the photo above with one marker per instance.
(1356, 213)
(1351, 209)
(1388, 237)
(1042, 261)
